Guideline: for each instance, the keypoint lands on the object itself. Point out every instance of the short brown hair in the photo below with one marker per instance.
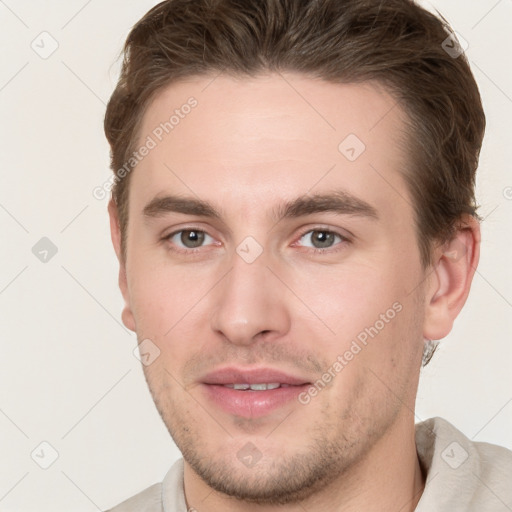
(394, 42)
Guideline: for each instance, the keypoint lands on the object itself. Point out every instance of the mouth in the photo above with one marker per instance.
(257, 387)
(252, 393)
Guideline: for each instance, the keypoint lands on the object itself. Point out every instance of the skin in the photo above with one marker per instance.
(248, 147)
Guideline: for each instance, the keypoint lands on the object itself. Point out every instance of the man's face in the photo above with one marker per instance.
(280, 286)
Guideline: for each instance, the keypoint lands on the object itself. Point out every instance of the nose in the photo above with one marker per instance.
(248, 304)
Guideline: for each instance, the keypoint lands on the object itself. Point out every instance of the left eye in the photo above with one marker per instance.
(320, 238)
(189, 238)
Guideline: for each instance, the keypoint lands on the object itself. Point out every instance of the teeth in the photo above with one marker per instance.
(255, 387)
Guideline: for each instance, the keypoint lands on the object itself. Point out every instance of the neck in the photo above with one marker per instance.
(388, 478)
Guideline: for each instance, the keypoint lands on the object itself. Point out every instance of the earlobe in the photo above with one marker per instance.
(450, 280)
(115, 233)
(127, 315)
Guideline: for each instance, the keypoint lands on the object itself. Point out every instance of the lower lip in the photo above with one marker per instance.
(252, 404)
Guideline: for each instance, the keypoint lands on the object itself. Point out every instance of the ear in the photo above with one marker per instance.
(450, 281)
(115, 233)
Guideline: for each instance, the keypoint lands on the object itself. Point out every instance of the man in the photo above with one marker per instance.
(294, 216)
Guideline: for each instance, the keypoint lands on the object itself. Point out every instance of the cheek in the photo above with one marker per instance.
(347, 300)
(156, 295)
(377, 365)
(169, 306)
(374, 319)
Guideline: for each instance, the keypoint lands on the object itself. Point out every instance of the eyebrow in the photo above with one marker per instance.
(338, 201)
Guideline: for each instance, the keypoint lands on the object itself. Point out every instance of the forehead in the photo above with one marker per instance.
(274, 136)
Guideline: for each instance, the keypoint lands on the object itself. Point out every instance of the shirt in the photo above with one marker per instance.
(461, 475)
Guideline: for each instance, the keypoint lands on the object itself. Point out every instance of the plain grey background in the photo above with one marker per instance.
(68, 376)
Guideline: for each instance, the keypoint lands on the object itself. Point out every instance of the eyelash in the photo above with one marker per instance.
(344, 240)
(330, 250)
(179, 250)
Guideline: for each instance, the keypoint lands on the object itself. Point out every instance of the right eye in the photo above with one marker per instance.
(188, 238)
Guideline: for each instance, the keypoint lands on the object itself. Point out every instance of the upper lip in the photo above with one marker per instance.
(234, 375)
